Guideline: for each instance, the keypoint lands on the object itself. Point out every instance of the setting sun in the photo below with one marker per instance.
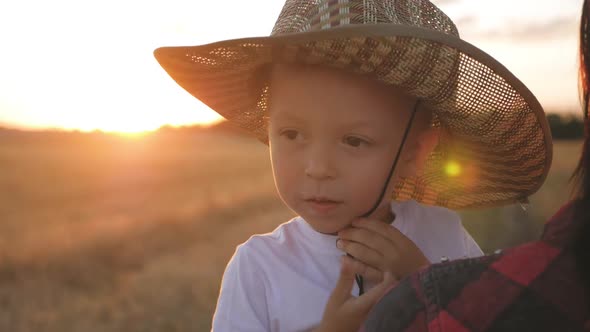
(73, 70)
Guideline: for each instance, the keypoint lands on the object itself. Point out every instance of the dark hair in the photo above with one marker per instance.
(581, 176)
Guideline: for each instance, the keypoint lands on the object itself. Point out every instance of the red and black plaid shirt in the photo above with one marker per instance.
(533, 287)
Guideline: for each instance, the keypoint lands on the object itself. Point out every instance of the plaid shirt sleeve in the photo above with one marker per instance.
(533, 287)
(414, 305)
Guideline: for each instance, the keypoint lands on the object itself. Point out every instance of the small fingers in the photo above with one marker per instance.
(369, 238)
(362, 253)
(386, 230)
(367, 272)
(404, 257)
(370, 298)
(341, 292)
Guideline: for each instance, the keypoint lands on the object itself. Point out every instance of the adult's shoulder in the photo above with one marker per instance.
(426, 298)
(561, 227)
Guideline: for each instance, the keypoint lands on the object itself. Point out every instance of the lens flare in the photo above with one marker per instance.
(453, 169)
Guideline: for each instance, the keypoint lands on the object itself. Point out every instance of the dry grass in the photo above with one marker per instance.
(101, 233)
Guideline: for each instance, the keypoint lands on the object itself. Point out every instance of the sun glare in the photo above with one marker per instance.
(453, 169)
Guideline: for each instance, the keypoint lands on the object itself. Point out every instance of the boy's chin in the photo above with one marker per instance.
(327, 226)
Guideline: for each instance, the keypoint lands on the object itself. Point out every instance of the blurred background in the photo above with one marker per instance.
(122, 197)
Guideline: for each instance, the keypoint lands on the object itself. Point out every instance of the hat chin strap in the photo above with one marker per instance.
(359, 278)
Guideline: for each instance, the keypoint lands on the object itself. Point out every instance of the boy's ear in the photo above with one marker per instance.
(424, 144)
(427, 141)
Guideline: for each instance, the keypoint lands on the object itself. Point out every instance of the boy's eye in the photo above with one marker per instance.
(290, 134)
(354, 141)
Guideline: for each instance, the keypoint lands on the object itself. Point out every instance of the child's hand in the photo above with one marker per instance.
(378, 248)
(347, 313)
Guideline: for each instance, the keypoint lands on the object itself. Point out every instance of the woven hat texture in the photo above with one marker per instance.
(494, 146)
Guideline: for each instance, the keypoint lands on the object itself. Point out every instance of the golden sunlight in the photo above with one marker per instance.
(103, 76)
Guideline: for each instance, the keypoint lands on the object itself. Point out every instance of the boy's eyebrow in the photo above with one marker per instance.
(294, 117)
(359, 123)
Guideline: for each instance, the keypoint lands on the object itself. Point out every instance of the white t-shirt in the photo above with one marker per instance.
(281, 281)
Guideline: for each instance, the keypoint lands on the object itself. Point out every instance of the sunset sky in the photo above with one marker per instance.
(84, 65)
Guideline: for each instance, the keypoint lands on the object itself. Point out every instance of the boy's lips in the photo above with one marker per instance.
(322, 205)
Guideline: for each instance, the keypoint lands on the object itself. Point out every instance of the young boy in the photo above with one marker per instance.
(359, 101)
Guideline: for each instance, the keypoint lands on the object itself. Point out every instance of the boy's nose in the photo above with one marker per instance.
(318, 165)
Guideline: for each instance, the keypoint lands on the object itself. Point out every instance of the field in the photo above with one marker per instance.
(105, 233)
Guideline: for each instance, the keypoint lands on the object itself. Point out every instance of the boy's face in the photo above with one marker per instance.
(333, 138)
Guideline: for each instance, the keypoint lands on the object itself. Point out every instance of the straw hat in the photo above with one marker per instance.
(495, 146)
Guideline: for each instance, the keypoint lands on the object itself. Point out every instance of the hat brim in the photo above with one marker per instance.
(495, 135)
